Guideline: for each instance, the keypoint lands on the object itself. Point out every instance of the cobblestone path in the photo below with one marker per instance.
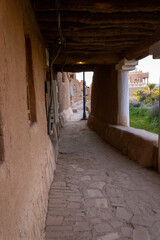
(99, 194)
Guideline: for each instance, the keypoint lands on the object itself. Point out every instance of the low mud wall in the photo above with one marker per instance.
(139, 145)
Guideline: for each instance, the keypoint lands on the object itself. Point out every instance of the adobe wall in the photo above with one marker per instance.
(65, 81)
(88, 93)
(27, 170)
(77, 91)
(104, 99)
(64, 97)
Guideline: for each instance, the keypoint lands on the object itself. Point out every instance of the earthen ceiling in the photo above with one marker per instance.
(98, 32)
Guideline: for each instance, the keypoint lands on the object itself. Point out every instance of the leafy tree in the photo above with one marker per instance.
(150, 94)
(140, 95)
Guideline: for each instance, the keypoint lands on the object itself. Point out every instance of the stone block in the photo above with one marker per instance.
(111, 236)
(140, 234)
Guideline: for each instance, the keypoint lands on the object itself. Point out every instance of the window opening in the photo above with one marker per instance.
(31, 99)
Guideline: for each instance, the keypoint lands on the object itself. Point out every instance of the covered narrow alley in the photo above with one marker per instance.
(95, 192)
(98, 193)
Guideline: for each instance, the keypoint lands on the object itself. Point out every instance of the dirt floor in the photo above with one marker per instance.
(98, 193)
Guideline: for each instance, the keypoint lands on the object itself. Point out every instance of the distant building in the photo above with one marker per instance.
(138, 79)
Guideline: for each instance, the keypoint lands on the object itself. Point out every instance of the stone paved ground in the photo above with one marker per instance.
(99, 194)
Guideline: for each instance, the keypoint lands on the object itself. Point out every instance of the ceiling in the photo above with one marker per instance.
(97, 32)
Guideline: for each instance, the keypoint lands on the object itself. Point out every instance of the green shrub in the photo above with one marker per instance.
(141, 118)
(135, 104)
(154, 111)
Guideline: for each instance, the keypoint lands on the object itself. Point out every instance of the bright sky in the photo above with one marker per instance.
(147, 64)
(88, 77)
(152, 66)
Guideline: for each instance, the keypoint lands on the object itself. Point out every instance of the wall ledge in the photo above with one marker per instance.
(139, 145)
(148, 136)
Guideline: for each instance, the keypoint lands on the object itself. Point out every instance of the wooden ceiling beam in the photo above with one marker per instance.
(103, 58)
(109, 6)
(109, 38)
(97, 29)
(93, 49)
(101, 39)
(141, 49)
(94, 42)
(100, 18)
(69, 26)
(99, 44)
(101, 33)
(75, 67)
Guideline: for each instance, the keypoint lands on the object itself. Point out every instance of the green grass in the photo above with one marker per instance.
(142, 119)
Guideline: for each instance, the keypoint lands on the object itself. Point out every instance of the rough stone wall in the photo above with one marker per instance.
(77, 91)
(88, 93)
(27, 170)
(65, 110)
(104, 100)
(64, 91)
(65, 81)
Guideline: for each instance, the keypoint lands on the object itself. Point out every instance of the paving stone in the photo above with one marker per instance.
(76, 212)
(53, 201)
(98, 185)
(98, 194)
(156, 210)
(94, 193)
(74, 219)
(60, 238)
(103, 228)
(59, 228)
(91, 202)
(83, 236)
(117, 202)
(86, 178)
(156, 228)
(79, 169)
(95, 220)
(91, 212)
(140, 220)
(58, 212)
(127, 232)
(104, 214)
(101, 203)
(59, 234)
(134, 208)
(56, 205)
(74, 205)
(54, 220)
(82, 226)
(123, 214)
(116, 224)
(140, 234)
(111, 236)
(59, 184)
